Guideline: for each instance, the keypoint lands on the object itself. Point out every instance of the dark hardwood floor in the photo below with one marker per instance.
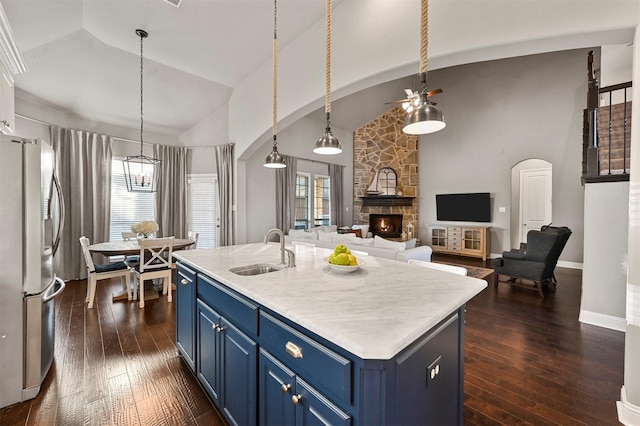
(527, 361)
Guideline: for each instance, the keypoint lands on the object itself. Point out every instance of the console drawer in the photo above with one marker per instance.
(231, 305)
(306, 357)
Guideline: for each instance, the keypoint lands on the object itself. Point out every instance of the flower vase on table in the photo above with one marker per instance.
(145, 229)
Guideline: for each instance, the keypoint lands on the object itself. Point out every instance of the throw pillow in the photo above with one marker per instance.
(328, 228)
(410, 243)
(392, 245)
(326, 236)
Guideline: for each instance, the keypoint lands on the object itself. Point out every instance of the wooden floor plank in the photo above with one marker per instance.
(528, 361)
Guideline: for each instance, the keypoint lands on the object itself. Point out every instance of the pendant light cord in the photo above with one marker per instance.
(275, 71)
(142, 35)
(424, 35)
(327, 100)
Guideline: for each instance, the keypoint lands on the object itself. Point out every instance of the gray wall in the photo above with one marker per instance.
(499, 113)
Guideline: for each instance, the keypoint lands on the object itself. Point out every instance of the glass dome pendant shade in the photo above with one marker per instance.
(328, 144)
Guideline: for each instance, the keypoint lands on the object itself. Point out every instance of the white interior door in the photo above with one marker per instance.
(535, 200)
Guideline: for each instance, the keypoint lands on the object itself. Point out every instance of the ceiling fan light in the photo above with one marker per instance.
(327, 144)
(424, 119)
(274, 160)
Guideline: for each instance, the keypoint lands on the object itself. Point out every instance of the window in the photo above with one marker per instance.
(322, 206)
(303, 201)
(127, 208)
(312, 210)
(202, 192)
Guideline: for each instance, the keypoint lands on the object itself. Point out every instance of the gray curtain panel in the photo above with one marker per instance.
(171, 198)
(83, 164)
(225, 172)
(286, 194)
(336, 193)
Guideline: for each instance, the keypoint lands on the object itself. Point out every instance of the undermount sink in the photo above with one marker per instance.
(257, 269)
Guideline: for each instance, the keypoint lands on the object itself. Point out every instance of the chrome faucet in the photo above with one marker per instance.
(291, 255)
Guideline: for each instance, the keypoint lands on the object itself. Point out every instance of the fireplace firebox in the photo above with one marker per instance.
(386, 225)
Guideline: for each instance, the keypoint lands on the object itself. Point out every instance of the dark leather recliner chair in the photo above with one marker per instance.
(534, 261)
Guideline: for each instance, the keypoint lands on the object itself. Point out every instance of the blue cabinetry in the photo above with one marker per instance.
(186, 318)
(286, 399)
(261, 368)
(227, 366)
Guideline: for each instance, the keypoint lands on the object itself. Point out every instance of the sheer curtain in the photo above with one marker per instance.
(336, 192)
(171, 198)
(83, 164)
(286, 194)
(225, 171)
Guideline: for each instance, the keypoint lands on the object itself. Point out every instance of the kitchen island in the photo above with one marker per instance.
(381, 345)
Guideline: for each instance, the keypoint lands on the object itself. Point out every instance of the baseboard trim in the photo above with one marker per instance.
(628, 413)
(561, 263)
(601, 320)
(569, 265)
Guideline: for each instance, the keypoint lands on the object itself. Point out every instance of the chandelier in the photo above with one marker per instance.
(140, 171)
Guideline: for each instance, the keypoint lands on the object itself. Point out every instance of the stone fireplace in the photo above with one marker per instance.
(381, 143)
(385, 225)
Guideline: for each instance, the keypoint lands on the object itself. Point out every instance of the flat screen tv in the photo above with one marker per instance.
(475, 207)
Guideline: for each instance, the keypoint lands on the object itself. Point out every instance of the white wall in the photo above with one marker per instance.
(604, 276)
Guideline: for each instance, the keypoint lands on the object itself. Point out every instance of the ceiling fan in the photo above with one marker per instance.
(413, 98)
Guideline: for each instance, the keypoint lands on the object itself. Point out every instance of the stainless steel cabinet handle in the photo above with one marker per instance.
(220, 329)
(296, 399)
(214, 326)
(286, 387)
(184, 281)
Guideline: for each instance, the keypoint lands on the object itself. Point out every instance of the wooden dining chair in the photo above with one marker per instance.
(193, 236)
(101, 272)
(132, 260)
(155, 263)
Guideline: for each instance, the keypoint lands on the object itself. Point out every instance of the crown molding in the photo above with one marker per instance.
(9, 54)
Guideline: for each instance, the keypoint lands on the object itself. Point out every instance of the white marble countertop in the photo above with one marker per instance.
(373, 313)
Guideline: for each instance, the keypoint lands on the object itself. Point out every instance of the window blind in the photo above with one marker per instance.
(127, 208)
(202, 191)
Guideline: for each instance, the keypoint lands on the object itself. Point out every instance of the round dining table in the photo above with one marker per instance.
(131, 247)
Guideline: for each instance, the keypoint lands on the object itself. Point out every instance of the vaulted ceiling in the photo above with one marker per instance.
(83, 56)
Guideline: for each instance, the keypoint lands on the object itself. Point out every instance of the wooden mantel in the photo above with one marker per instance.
(387, 200)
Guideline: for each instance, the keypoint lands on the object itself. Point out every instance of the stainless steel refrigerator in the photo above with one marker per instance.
(31, 217)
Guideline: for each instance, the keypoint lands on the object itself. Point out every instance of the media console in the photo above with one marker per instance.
(473, 241)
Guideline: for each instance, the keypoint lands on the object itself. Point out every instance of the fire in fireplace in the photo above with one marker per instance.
(386, 225)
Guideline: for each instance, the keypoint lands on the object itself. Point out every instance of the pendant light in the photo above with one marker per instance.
(140, 171)
(274, 159)
(328, 144)
(424, 118)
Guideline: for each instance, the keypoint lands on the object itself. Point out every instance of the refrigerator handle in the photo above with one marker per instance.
(56, 241)
(62, 284)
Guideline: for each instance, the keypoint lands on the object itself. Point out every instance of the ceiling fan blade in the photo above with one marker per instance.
(434, 92)
(399, 101)
(409, 92)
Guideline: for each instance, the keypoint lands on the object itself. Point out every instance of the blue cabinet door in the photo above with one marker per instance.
(313, 409)
(208, 351)
(238, 370)
(276, 388)
(185, 314)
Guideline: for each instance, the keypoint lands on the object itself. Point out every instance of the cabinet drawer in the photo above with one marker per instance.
(317, 363)
(234, 307)
(455, 247)
(451, 229)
